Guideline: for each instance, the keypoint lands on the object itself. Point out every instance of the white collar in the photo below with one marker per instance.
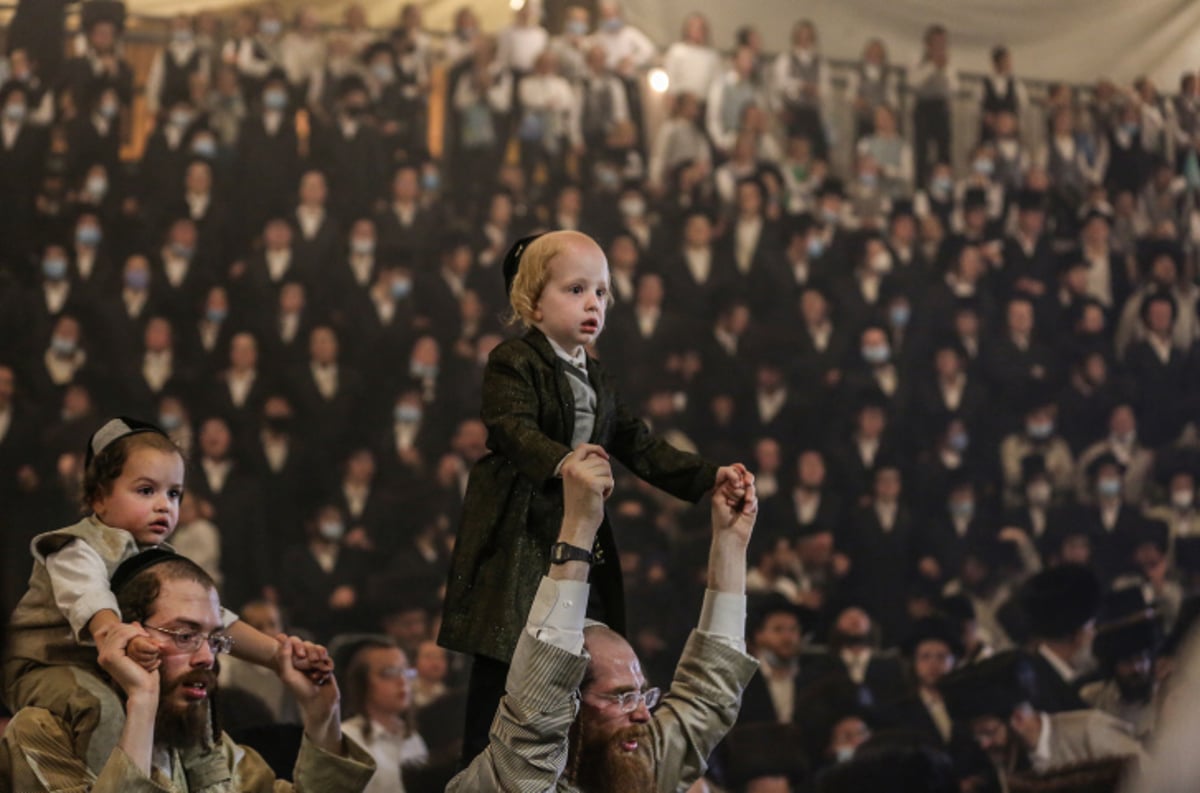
(578, 360)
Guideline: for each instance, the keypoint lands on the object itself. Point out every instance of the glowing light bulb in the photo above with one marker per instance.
(659, 81)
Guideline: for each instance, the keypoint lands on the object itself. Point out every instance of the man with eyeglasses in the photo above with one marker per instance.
(579, 714)
(169, 742)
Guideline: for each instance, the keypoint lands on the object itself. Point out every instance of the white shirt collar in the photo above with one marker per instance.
(578, 360)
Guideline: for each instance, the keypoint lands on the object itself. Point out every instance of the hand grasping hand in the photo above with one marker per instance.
(732, 483)
(145, 652)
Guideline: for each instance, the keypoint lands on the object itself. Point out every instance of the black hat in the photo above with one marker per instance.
(375, 49)
(1123, 603)
(350, 84)
(975, 198)
(992, 687)
(276, 75)
(1069, 260)
(11, 87)
(1145, 532)
(1095, 214)
(958, 608)
(1060, 601)
(345, 646)
(1156, 248)
(1127, 638)
(1107, 458)
(753, 751)
(1173, 462)
(97, 11)
(902, 208)
(129, 568)
(113, 430)
(831, 186)
(934, 629)
(512, 260)
(1031, 200)
(1187, 555)
(800, 225)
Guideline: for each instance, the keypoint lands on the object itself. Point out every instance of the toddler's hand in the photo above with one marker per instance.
(311, 658)
(731, 483)
(145, 652)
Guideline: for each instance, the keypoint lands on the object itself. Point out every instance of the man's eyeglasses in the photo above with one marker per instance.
(393, 672)
(628, 701)
(190, 641)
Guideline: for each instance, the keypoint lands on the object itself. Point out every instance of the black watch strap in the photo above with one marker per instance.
(562, 552)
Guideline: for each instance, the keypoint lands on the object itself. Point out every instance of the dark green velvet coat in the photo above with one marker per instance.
(514, 503)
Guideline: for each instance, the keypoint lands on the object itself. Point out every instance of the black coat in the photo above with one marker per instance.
(514, 506)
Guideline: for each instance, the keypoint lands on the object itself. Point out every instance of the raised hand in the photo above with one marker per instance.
(735, 520)
(145, 652)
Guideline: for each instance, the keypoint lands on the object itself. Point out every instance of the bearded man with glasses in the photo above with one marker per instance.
(168, 742)
(579, 714)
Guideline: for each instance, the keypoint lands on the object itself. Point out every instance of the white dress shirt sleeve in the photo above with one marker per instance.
(557, 614)
(79, 580)
(723, 618)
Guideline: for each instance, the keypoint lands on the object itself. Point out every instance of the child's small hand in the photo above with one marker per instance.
(731, 483)
(311, 658)
(145, 652)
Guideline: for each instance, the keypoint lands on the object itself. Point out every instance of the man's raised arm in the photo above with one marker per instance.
(528, 743)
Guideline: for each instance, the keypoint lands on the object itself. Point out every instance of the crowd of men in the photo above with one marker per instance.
(970, 397)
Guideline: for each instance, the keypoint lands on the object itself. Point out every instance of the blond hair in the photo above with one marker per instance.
(533, 273)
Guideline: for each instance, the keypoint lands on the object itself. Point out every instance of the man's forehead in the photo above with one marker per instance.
(614, 663)
(187, 601)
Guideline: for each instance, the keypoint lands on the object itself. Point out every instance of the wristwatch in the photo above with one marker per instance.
(563, 552)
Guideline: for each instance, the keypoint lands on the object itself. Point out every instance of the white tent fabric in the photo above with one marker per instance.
(1072, 40)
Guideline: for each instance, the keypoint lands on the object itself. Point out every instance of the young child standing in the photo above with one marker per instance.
(543, 397)
(133, 484)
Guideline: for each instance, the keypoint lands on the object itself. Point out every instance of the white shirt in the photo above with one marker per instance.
(647, 320)
(746, 236)
(216, 471)
(627, 44)
(56, 294)
(278, 263)
(390, 751)
(1040, 757)
(5, 422)
(326, 378)
(691, 68)
(856, 662)
(135, 301)
(699, 263)
(1060, 666)
(356, 498)
(310, 220)
(10, 130)
(239, 384)
(198, 204)
(770, 404)
(519, 47)
(952, 391)
(289, 324)
(1099, 277)
(275, 450)
(156, 369)
(175, 268)
(62, 370)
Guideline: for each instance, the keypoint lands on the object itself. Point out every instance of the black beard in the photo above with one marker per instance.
(600, 765)
(844, 640)
(186, 727)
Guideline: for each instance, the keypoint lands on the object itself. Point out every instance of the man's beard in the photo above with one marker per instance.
(600, 765)
(187, 726)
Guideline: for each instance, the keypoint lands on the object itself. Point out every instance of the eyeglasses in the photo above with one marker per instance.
(393, 672)
(190, 641)
(628, 701)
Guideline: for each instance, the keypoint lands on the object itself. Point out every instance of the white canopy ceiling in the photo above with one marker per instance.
(1074, 40)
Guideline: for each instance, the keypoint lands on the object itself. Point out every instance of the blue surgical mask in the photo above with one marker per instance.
(401, 288)
(431, 180)
(362, 247)
(876, 354)
(962, 509)
(868, 180)
(816, 246)
(88, 236)
(613, 24)
(137, 279)
(983, 167)
(275, 99)
(383, 72)
(332, 530)
(831, 216)
(170, 421)
(97, 186)
(423, 371)
(15, 113)
(1131, 129)
(942, 185)
(1040, 430)
(407, 414)
(62, 345)
(183, 251)
(576, 27)
(270, 27)
(1109, 486)
(958, 441)
(900, 315)
(54, 268)
(844, 754)
(109, 110)
(216, 315)
(181, 118)
(204, 147)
